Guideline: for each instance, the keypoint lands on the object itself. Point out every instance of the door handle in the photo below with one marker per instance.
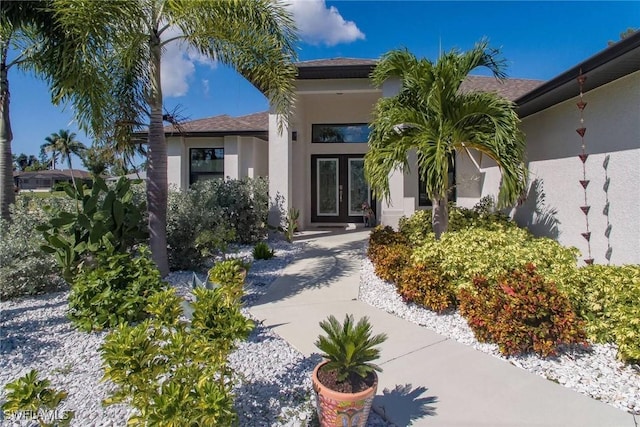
(340, 193)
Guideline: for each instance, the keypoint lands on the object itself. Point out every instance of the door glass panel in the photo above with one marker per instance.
(328, 187)
(358, 188)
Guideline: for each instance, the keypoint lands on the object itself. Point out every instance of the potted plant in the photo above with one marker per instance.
(346, 382)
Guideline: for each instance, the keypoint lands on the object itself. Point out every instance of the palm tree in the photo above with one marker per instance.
(32, 39)
(255, 37)
(432, 116)
(65, 144)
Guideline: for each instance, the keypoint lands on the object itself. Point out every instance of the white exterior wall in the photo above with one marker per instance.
(612, 120)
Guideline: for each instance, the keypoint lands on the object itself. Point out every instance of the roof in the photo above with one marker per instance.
(54, 174)
(256, 124)
(335, 68)
(612, 63)
(507, 88)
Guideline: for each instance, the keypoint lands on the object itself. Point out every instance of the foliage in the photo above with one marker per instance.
(521, 312)
(114, 291)
(349, 347)
(108, 220)
(607, 298)
(291, 223)
(425, 285)
(174, 373)
(63, 143)
(262, 251)
(24, 269)
(34, 396)
(464, 254)
(203, 220)
(383, 236)
(418, 227)
(230, 273)
(390, 261)
(434, 118)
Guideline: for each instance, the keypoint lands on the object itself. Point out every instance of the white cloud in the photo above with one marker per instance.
(178, 65)
(205, 87)
(319, 24)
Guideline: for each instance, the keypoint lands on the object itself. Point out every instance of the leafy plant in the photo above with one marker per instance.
(24, 269)
(383, 236)
(108, 221)
(425, 285)
(31, 395)
(176, 373)
(390, 261)
(262, 251)
(521, 312)
(349, 347)
(230, 274)
(291, 223)
(116, 290)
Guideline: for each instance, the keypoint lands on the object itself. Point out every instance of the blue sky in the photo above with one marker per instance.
(539, 40)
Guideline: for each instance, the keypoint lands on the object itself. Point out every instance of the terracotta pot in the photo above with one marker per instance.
(337, 409)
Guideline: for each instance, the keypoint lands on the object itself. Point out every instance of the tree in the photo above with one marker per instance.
(432, 116)
(64, 143)
(25, 162)
(33, 40)
(255, 37)
(623, 35)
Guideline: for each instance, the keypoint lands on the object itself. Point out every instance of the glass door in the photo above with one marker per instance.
(338, 188)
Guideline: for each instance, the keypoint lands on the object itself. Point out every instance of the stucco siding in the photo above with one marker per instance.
(555, 196)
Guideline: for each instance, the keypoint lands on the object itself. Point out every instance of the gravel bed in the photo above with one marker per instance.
(596, 373)
(273, 386)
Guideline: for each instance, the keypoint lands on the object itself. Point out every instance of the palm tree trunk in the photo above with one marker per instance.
(439, 217)
(73, 180)
(157, 185)
(7, 195)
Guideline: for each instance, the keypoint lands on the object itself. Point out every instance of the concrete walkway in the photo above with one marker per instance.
(428, 379)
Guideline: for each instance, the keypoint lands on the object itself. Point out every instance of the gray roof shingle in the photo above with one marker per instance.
(256, 122)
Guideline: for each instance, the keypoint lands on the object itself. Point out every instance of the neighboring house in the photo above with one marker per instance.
(315, 161)
(46, 180)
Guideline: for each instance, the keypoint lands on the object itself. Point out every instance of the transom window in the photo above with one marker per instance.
(206, 163)
(340, 133)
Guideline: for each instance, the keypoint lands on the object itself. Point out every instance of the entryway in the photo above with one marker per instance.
(338, 188)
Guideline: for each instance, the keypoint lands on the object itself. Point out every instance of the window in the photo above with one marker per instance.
(423, 197)
(206, 163)
(338, 133)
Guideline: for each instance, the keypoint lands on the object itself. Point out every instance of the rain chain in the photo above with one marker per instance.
(583, 158)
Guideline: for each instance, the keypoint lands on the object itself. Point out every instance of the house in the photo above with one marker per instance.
(47, 180)
(315, 160)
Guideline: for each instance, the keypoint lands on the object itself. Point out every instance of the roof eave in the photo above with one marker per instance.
(335, 72)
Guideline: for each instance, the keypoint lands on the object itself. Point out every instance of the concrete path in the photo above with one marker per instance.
(428, 380)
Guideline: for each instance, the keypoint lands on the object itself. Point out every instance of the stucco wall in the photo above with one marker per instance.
(552, 208)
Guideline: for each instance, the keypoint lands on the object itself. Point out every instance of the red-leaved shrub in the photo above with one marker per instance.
(426, 286)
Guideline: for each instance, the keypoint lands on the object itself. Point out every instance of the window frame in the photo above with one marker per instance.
(315, 126)
(215, 174)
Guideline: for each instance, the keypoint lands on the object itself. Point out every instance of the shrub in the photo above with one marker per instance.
(426, 286)
(607, 298)
(114, 291)
(106, 219)
(464, 254)
(24, 268)
(262, 251)
(203, 220)
(521, 312)
(390, 261)
(31, 395)
(383, 236)
(173, 374)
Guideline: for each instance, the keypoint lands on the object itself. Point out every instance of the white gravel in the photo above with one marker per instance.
(596, 373)
(273, 379)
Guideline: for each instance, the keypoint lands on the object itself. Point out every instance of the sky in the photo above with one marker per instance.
(539, 40)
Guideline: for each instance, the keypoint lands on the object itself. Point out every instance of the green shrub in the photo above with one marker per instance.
(105, 220)
(113, 291)
(174, 374)
(425, 285)
(521, 312)
(33, 396)
(418, 227)
(607, 298)
(203, 220)
(24, 268)
(464, 254)
(262, 251)
(389, 261)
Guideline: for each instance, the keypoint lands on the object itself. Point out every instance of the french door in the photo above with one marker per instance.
(338, 188)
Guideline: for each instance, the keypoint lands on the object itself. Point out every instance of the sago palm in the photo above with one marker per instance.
(349, 347)
(432, 116)
(254, 37)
